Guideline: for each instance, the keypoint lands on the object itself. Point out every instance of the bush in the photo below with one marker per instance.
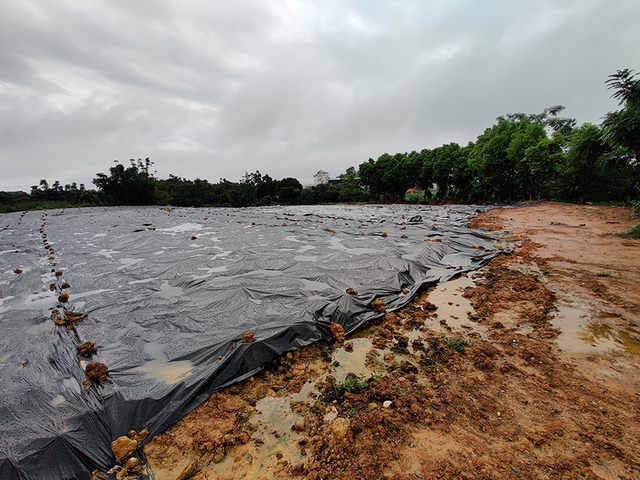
(352, 383)
(457, 343)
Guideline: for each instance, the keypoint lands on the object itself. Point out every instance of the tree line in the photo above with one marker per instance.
(520, 157)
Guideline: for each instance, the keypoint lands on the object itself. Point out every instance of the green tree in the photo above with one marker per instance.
(585, 158)
(350, 187)
(622, 127)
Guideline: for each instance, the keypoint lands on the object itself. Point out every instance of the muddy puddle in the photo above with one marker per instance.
(274, 420)
(584, 330)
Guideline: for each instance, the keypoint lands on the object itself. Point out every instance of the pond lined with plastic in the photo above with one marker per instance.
(169, 294)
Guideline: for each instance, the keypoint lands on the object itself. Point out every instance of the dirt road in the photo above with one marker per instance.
(530, 369)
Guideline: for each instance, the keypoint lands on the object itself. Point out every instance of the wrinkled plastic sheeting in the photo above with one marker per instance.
(168, 295)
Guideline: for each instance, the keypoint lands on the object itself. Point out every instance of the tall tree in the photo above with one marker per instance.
(622, 127)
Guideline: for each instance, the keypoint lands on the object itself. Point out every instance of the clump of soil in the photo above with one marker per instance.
(63, 297)
(351, 291)
(337, 331)
(69, 319)
(379, 306)
(248, 338)
(17, 270)
(96, 371)
(86, 349)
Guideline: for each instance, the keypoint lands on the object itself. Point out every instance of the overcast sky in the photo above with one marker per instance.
(211, 89)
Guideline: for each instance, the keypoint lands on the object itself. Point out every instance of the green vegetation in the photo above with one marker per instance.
(603, 274)
(457, 343)
(352, 383)
(520, 157)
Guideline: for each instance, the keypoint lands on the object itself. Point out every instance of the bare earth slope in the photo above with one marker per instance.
(529, 370)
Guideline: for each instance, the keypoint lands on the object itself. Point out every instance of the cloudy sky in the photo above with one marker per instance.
(213, 88)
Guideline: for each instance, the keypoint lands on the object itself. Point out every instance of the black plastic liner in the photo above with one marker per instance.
(169, 294)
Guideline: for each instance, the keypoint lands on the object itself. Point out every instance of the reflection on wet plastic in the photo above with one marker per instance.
(306, 258)
(337, 245)
(313, 286)
(167, 291)
(456, 260)
(185, 227)
(161, 369)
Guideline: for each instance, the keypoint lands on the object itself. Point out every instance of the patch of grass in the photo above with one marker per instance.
(352, 383)
(634, 232)
(457, 343)
(603, 274)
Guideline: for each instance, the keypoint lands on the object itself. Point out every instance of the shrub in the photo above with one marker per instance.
(457, 343)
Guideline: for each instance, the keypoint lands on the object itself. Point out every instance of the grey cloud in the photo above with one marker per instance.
(214, 89)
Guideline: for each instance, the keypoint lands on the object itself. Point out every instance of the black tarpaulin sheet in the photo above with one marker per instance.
(169, 294)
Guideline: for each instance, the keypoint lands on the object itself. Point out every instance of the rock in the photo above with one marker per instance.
(330, 414)
(86, 348)
(379, 306)
(387, 403)
(405, 291)
(17, 270)
(248, 338)
(190, 471)
(299, 425)
(63, 297)
(348, 347)
(351, 291)
(337, 331)
(243, 437)
(122, 473)
(139, 437)
(408, 367)
(340, 428)
(96, 371)
(132, 463)
(123, 447)
(384, 234)
(65, 285)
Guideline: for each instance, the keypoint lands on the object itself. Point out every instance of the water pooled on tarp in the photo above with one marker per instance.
(278, 272)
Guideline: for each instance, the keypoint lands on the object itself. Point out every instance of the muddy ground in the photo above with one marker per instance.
(528, 368)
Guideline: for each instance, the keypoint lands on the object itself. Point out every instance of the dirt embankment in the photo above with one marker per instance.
(531, 370)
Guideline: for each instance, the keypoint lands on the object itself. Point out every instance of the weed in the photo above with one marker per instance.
(352, 383)
(457, 343)
(603, 274)
(634, 232)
